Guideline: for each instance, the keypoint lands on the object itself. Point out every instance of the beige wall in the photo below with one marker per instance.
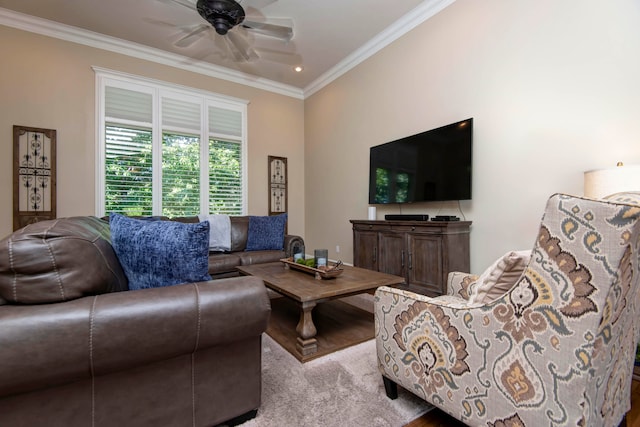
(553, 89)
(49, 83)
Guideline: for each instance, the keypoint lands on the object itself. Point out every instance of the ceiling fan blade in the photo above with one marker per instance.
(240, 48)
(159, 22)
(192, 36)
(233, 50)
(257, 4)
(287, 58)
(281, 32)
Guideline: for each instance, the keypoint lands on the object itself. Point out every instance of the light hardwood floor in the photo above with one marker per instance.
(437, 418)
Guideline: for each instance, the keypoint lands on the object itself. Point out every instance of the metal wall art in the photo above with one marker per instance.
(277, 185)
(34, 175)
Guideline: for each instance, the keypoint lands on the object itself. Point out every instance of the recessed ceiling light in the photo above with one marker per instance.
(298, 68)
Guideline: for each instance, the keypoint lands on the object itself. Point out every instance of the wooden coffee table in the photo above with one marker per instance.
(306, 292)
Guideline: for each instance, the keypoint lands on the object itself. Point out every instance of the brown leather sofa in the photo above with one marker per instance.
(223, 264)
(78, 349)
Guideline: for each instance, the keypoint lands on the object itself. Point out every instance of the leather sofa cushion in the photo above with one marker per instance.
(54, 344)
(239, 230)
(59, 260)
(221, 262)
(260, 257)
(239, 233)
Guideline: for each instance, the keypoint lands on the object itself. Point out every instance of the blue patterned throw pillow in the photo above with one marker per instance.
(160, 253)
(266, 233)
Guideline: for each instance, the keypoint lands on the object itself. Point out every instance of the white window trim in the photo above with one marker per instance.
(106, 77)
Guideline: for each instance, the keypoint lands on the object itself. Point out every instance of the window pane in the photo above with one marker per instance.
(225, 181)
(142, 119)
(128, 171)
(180, 175)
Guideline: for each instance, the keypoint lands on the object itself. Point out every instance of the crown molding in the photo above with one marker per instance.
(408, 22)
(48, 28)
(417, 16)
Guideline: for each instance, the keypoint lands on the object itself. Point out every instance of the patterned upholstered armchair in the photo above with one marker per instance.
(556, 349)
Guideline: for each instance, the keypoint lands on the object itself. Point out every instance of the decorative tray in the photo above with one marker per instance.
(332, 271)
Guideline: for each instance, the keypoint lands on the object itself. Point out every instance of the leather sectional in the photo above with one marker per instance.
(79, 349)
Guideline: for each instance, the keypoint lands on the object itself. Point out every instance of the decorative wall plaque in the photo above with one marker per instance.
(277, 185)
(34, 175)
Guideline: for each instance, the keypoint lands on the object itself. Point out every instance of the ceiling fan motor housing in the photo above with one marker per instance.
(222, 14)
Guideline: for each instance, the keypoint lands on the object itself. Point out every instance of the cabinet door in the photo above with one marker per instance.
(425, 263)
(365, 249)
(393, 257)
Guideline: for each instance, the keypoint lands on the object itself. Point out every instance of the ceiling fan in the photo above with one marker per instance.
(229, 20)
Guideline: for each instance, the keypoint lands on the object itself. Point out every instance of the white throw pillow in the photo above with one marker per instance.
(499, 277)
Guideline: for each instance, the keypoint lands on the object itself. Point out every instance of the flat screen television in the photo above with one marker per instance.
(430, 166)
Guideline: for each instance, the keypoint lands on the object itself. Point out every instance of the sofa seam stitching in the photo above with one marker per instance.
(14, 283)
(53, 260)
(91, 366)
(193, 356)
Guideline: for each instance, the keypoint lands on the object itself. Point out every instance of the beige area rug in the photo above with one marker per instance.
(341, 389)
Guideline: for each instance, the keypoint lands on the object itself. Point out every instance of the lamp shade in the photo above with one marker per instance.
(604, 182)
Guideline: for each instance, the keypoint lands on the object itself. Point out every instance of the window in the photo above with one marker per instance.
(168, 150)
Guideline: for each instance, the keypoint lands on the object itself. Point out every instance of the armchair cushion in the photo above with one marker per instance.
(161, 253)
(499, 277)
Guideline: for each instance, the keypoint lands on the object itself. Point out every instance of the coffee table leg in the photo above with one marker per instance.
(306, 344)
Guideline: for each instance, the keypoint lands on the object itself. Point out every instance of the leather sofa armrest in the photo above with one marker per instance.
(291, 243)
(52, 344)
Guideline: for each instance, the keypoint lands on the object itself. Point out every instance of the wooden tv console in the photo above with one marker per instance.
(423, 252)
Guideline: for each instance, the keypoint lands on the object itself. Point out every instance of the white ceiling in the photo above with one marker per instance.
(330, 36)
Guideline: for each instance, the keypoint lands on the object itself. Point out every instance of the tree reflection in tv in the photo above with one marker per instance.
(430, 166)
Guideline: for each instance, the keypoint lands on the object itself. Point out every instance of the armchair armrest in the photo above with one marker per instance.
(53, 344)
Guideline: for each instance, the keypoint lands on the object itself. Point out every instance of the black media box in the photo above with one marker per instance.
(407, 217)
(445, 218)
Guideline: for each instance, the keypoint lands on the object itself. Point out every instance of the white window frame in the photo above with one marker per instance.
(159, 89)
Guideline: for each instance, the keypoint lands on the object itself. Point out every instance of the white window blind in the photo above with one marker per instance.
(128, 105)
(224, 182)
(128, 178)
(178, 114)
(180, 175)
(225, 122)
(156, 147)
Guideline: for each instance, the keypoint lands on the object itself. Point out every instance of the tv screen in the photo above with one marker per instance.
(430, 166)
